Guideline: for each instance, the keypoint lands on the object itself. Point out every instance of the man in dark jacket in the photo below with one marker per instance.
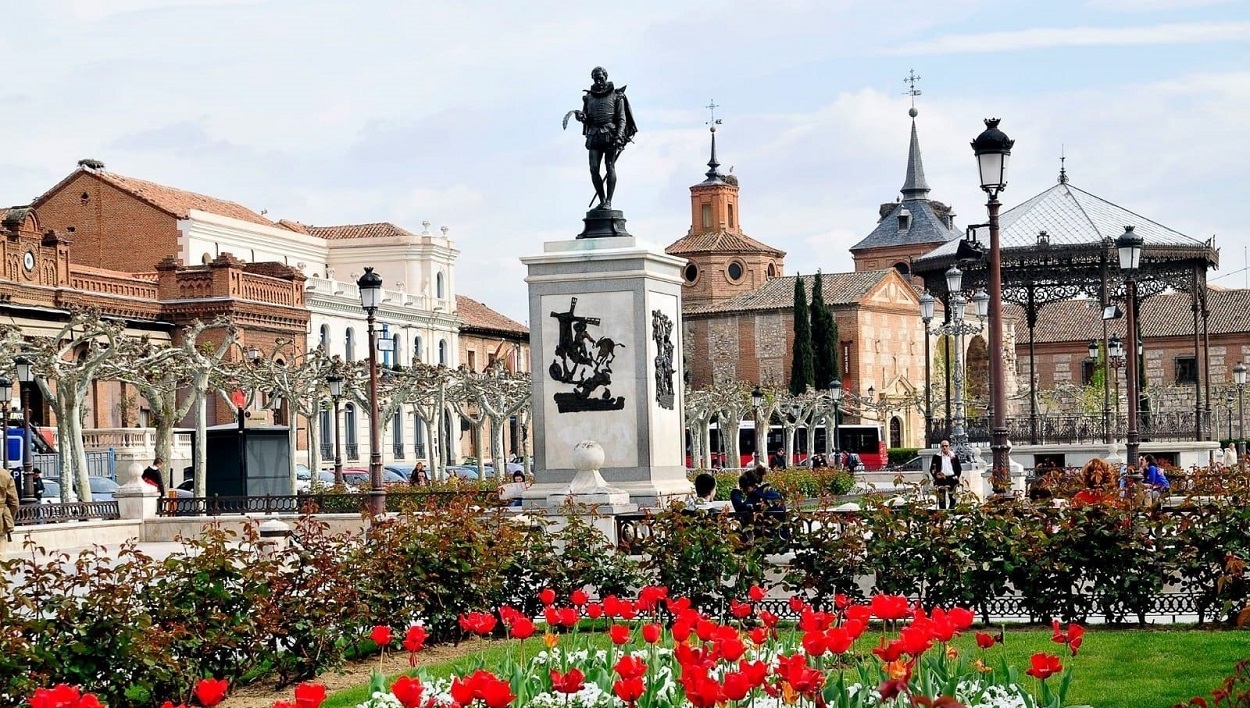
(945, 470)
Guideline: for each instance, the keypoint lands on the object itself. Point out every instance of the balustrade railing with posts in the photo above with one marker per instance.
(352, 450)
(29, 514)
(319, 503)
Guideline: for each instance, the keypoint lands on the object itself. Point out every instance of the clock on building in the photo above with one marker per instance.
(29, 261)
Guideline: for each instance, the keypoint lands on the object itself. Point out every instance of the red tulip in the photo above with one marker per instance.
(916, 639)
(814, 643)
(414, 638)
(579, 597)
(795, 671)
(651, 633)
(985, 641)
(629, 689)
(841, 601)
(889, 652)
(891, 689)
(797, 603)
(702, 691)
(890, 607)
(619, 634)
(522, 628)
(854, 628)
(681, 631)
(461, 691)
(740, 610)
(630, 666)
(209, 692)
(496, 693)
(1043, 666)
(1076, 636)
(731, 648)
(571, 682)
(706, 629)
(547, 596)
(310, 695)
(755, 671)
(58, 696)
(408, 691)
(678, 605)
(594, 610)
(961, 617)
(737, 686)
(381, 635)
(758, 635)
(170, 704)
(651, 596)
(568, 616)
(839, 640)
(480, 623)
(756, 593)
(812, 621)
(862, 613)
(769, 619)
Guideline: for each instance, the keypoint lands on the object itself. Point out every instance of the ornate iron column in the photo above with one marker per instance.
(370, 285)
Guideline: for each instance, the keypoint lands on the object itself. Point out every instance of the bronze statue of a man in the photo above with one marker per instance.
(608, 125)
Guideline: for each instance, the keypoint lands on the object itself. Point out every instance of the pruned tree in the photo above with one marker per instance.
(65, 365)
(161, 372)
(797, 412)
(700, 409)
(499, 395)
(430, 386)
(732, 402)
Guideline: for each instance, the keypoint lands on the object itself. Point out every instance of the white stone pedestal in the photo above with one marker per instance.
(136, 499)
(599, 370)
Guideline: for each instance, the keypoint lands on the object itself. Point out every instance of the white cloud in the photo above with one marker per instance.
(1046, 37)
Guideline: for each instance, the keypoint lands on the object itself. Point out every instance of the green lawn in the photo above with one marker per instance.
(1115, 668)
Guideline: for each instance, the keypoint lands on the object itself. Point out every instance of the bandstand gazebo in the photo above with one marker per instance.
(1059, 246)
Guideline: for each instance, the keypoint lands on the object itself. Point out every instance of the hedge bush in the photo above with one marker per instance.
(899, 455)
(796, 484)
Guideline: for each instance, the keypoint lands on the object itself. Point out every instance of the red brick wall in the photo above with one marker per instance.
(112, 229)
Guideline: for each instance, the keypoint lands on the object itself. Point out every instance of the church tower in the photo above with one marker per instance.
(909, 227)
(722, 260)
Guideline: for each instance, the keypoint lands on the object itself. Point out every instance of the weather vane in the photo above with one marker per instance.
(912, 79)
(712, 121)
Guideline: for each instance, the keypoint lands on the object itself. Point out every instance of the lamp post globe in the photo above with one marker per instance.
(926, 307)
(370, 285)
(1093, 349)
(1115, 348)
(1129, 246)
(981, 301)
(1239, 374)
(954, 279)
(757, 397)
(25, 370)
(992, 149)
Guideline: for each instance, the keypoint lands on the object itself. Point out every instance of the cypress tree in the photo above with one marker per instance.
(801, 367)
(824, 338)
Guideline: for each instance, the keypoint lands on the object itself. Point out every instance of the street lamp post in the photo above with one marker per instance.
(835, 393)
(1228, 406)
(6, 388)
(757, 400)
(992, 149)
(26, 375)
(1129, 246)
(926, 316)
(1094, 349)
(1239, 378)
(370, 285)
(335, 382)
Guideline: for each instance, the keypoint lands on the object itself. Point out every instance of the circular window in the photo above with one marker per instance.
(691, 272)
(735, 271)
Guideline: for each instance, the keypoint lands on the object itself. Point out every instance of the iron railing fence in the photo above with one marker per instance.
(1172, 426)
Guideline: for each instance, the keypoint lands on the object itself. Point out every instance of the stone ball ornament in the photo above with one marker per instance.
(588, 456)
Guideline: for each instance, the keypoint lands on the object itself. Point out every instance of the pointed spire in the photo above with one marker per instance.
(713, 167)
(1063, 170)
(914, 184)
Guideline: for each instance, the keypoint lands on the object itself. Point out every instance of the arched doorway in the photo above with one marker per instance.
(896, 431)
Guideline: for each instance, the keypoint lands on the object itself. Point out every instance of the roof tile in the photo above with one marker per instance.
(719, 242)
(478, 316)
(380, 229)
(177, 201)
(778, 293)
(1163, 315)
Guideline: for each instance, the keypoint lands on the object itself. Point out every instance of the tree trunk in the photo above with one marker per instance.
(791, 430)
(201, 440)
(163, 422)
(496, 449)
(76, 451)
(314, 441)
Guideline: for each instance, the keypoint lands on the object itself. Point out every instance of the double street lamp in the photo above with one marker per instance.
(957, 328)
(26, 375)
(1129, 248)
(992, 149)
(370, 285)
(1115, 360)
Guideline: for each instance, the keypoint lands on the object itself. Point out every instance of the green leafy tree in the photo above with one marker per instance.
(824, 337)
(802, 367)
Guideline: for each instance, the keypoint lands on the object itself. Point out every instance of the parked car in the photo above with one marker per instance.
(102, 488)
(51, 491)
(359, 477)
(304, 479)
(404, 471)
(915, 464)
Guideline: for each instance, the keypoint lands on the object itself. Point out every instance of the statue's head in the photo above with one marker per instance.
(599, 75)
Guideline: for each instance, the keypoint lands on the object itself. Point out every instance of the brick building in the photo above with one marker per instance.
(737, 309)
(487, 337)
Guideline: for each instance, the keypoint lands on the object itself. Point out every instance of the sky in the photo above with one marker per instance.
(331, 112)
